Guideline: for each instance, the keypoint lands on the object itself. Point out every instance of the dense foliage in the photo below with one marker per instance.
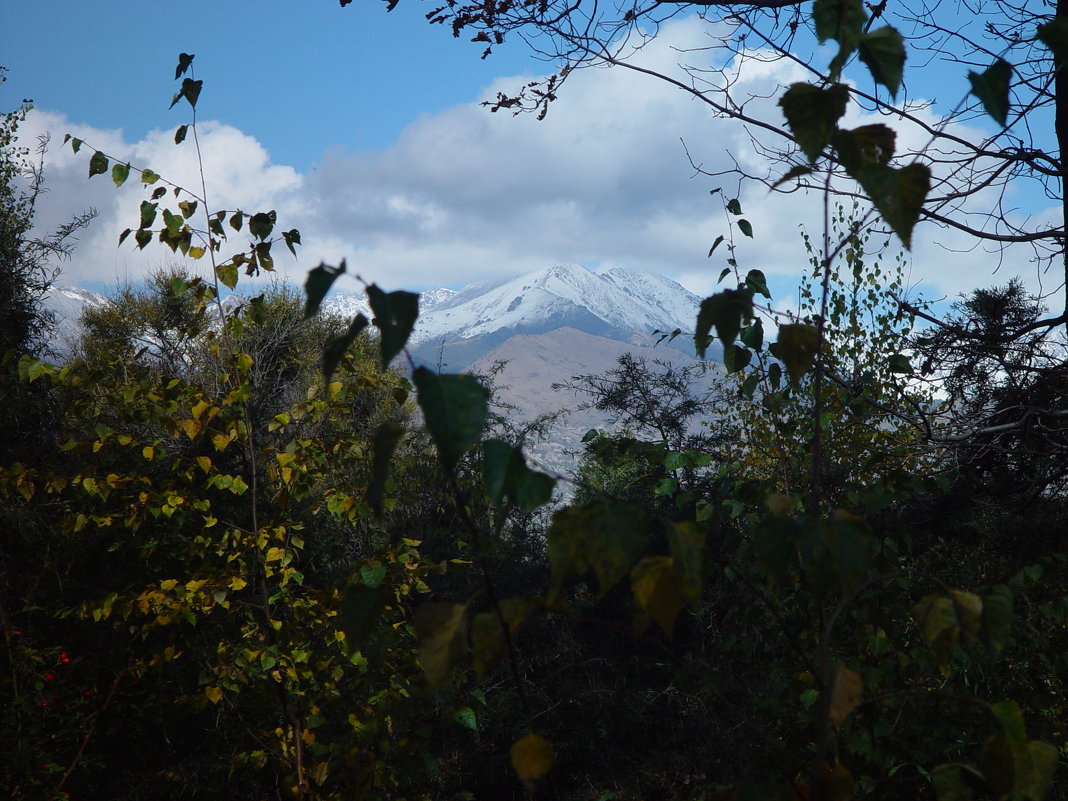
(248, 558)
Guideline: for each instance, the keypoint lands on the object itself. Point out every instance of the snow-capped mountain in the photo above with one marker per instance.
(616, 300)
(66, 303)
(460, 327)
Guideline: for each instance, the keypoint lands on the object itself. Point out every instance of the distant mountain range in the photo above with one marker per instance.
(460, 328)
(545, 326)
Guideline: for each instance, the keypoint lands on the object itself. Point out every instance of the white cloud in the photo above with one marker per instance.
(466, 195)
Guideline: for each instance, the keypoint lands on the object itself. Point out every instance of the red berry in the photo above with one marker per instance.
(50, 676)
(64, 657)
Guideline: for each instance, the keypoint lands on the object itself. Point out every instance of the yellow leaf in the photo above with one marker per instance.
(148, 452)
(319, 772)
(275, 554)
(204, 462)
(214, 694)
(196, 253)
(969, 609)
(439, 626)
(847, 693)
(190, 427)
(532, 757)
(656, 591)
(169, 584)
(220, 441)
(198, 409)
(238, 583)
(308, 737)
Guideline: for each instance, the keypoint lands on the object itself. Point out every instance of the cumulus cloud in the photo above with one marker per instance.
(466, 195)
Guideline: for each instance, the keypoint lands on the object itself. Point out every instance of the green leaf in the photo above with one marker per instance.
(465, 716)
(752, 335)
(812, 115)
(656, 592)
(725, 310)
(188, 208)
(148, 213)
(898, 195)
(796, 348)
(734, 207)
(124, 234)
(336, 347)
(992, 88)
(179, 134)
(996, 620)
(1010, 717)
(937, 620)
(756, 281)
(851, 548)
(227, 273)
(532, 757)
(190, 91)
(361, 607)
(866, 146)
(184, 60)
(455, 408)
(736, 358)
(749, 386)
(148, 177)
(384, 442)
(260, 225)
(263, 255)
(98, 164)
(899, 363)
(142, 238)
(793, 172)
(236, 220)
(291, 237)
(119, 174)
(439, 626)
(716, 244)
(509, 478)
(883, 53)
(840, 20)
(395, 316)
(174, 222)
(687, 544)
(1054, 35)
(75, 144)
(746, 228)
(607, 536)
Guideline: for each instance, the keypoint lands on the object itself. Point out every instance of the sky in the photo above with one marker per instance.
(364, 130)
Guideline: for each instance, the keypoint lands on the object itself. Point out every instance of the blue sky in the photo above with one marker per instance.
(301, 76)
(363, 129)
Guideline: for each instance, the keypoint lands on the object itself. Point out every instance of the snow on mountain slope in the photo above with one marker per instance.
(66, 304)
(564, 295)
(561, 295)
(349, 304)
